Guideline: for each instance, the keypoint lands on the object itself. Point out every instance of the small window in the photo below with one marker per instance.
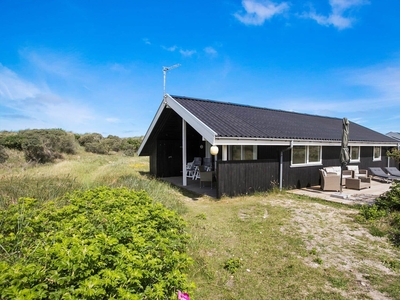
(247, 152)
(355, 153)
(306, 155)
(377, 153)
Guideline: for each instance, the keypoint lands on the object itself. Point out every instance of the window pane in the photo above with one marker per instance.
(355, 153)
(248, 152)
(299, 154)
(236, 153)
(314, 153)
(377, 152)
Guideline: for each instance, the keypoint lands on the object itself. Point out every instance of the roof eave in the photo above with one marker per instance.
(152, 125)
(206, 132)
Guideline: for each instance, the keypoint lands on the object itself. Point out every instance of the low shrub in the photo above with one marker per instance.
(3, 154)
(96, 147)
(391, 199)
(102, 244)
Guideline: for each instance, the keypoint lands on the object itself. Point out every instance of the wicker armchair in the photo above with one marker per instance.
(329, 181)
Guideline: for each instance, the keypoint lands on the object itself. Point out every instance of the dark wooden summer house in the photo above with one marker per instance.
(258, 148)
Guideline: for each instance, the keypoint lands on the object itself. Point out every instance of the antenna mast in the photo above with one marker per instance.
(165, 69)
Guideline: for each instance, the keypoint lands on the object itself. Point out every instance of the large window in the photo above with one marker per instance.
(355, 153)
(377, 153)
(306, 155)
(247, 152)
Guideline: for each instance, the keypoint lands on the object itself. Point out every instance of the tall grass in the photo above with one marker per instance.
(81, 172)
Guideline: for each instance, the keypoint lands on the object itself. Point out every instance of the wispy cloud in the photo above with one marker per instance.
(183, 52)
(339, 16)
(187, 53)
(210, 51)
(383, 79)
(171, 48)
(146, 41)
(259, 11)
(12, 87)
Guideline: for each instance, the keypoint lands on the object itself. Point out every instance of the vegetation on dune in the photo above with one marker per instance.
(384, 215)
(46, 145)
(99, 226)
(100, 244)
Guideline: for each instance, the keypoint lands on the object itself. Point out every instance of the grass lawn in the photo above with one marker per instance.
(263, 246)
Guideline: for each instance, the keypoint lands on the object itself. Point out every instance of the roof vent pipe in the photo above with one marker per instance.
(281, 165)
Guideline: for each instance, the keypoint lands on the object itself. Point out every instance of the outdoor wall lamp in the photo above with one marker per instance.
(214, 150)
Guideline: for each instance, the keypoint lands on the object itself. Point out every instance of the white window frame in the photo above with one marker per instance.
(373, 153)
(242, 152)
(354, 160)
(307, 163)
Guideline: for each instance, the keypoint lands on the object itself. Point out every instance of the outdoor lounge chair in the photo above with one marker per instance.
(380, 174)
(329, 181)
(358, 172)
(393, 171)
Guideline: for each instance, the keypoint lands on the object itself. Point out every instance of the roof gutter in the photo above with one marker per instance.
(281, 164)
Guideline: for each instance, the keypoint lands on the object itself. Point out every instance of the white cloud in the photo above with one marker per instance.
(384, 79)
(187, 53)
(37, 106)
(211, 51)
(339, 15)
(14, 88)
(257, 12)
(171, 49)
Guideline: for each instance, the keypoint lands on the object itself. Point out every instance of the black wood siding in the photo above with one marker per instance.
(244, 177)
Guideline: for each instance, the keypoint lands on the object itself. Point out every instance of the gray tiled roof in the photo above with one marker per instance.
(394, 135)
(234, 120)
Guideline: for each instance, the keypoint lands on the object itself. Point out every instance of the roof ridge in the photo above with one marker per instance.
(255, 107)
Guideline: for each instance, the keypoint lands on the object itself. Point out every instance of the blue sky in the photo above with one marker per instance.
(96, 66)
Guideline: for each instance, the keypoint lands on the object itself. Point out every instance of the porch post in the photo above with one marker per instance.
(224, 152)
(184, 179)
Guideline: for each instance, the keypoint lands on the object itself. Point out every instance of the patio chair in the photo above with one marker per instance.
(206, 176)
(358, 172)
(329, 181)
(196, 166)
(190, 169)
(381, 175)
(207, 161)
(393, 171)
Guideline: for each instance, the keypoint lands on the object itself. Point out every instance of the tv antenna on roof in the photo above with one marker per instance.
(165, 69)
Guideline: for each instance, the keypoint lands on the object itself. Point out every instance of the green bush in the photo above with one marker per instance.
(3, 154)
(102, 244)
(372, 213)
(96, 147)
(45, 145)
(89, 138)
(391, 199)
(394, 232)
(11, 140)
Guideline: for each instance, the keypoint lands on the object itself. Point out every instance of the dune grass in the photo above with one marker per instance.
(250, 247)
